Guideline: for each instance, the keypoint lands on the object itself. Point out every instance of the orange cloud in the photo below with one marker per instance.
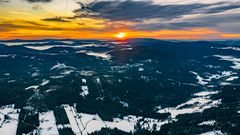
(231, 36)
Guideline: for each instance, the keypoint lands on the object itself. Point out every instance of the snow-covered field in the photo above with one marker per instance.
(200, 102)
(224, 75)
(217, 132)
(8, 120)
(84, 124)
(47, 124)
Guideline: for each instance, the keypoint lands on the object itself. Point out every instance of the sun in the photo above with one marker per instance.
(120, 35)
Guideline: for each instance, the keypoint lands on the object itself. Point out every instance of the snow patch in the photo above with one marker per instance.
(9, 123)
(216, 132)
(229, 48)
(199, 103)
(205, 93)
(102, 55)
(235, 61)
(66, 72)
(40, 48)
(140, 69)
(232, 78)
(35, 74)
(21, 43)
(124, 104)
(199, 78)
(210, 77)
(56, 77)
(86, 73)
(44, 82)
(61, 66)
(67, 42)
(84, 124)
(62, 126)
(84, 81)
(8, 56)
(85, 91)
(210, 123)
(47, 124)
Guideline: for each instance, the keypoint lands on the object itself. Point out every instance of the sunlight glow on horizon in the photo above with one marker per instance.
(121, 35)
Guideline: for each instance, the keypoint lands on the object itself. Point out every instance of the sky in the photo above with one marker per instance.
(103, 19)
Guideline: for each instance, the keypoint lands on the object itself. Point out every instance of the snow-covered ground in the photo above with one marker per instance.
(210, 123)
(217, 132)
(199, 103)
(84, 91)
(8, 56)
(47, 124)
(235, 61)
(124, 104)
(61, 66)
(62, 126)
(45, 47)
(232, 78)
(100, 55)
(84, 81)
(40, 48)
(86, 73)
(21, 43)
(229, 48)
(44, 82)
(224, 75)
(9, 123)
(67, 42)
(140, 69)
(84, 124)
(75, 122)
(199, 78)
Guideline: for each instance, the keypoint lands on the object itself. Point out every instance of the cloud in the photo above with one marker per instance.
(193, 14)
(218, 21)
(6, 1)
(37, 7)
(222, 7)
(56, 19)
(139, 10)
(38, 1)
(28, 25)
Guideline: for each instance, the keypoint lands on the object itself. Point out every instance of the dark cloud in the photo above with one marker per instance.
(175, 25)
(138, 10)
(221, 22)
(130, 10)
(222, 8)
(6, 1)
(56, 19)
